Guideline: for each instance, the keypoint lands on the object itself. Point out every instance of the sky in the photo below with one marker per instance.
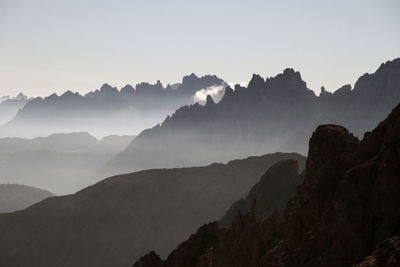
(54, 46)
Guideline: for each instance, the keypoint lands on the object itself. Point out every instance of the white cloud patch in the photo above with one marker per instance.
(232, 84)
(215, 91)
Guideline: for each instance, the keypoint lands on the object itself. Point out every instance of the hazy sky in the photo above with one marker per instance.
(53, 46)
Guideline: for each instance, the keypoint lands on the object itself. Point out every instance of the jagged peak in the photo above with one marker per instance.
(209, 100)
(53, 95)
(328, 141)
(292, 74)
(21, 96)
(391, 64)
(148, 87)
(256, 81)
(288, 80)
(324, 92)
(189, 78)
(228, 91)
(106, 88)
(389, 68)
(289, 71)
(127, 90)
(69, 93)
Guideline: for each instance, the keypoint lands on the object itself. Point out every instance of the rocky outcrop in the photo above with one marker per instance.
(386, 254)
(346, 206)
(150, 259)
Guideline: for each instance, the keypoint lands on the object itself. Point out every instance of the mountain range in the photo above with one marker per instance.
(345, 212)
(61, 163)
(259, 211)
(276, 114)
(117, 220)
(107, 110)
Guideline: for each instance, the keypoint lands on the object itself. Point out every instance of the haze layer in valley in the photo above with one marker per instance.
(107, 111)
(60, 163)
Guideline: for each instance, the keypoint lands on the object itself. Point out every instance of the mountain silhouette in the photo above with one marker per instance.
(105, 111)
(276, 114)
(345, 212)
(270, 193)
(117, 220)
(15, 197)
(9, 106)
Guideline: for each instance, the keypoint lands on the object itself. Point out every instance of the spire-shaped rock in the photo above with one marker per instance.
(210, 101)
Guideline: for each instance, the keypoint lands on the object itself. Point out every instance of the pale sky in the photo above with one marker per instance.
(54, 46)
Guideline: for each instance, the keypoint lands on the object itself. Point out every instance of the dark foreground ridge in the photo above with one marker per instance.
(117, 220)
(347, 206)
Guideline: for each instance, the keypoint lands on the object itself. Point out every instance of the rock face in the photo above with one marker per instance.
(276, 114)
(271, 193)
(117, 220)
(386, 254)
(346, 206)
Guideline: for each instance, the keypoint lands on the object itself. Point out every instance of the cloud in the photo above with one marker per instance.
(232, 84)
(215, 91)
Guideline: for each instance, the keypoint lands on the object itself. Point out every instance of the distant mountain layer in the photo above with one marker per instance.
(61, 163)
(107, 110)
(15, 197)
(9, 107)
(277, 114)
(120, 218)
(346, 211)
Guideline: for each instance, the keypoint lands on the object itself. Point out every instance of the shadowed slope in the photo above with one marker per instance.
(120, 218)
(347, 205)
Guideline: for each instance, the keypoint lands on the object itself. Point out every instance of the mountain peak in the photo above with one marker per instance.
(190, 78)
(343, 90)
(127, 89)
(209, 101)
(256, 82)
(69, 93)
(106, 88)
(321, 148)
(21, 96)
(388, 65)
(228, 93)
(323, 92)
(292, 74)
